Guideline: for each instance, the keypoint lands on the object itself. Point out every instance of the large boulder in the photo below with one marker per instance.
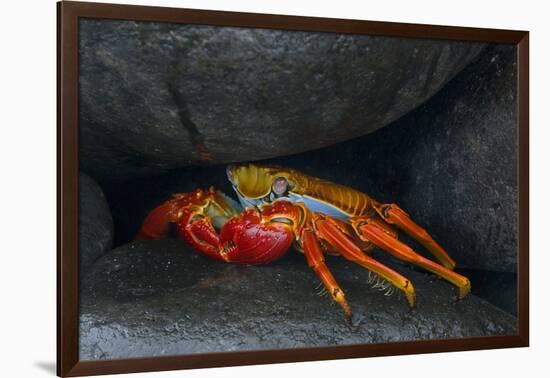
(156, 96)
(160, 298)
(96, 226)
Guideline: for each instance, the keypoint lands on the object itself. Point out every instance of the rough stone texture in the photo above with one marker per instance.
(158, 298)
(156, 96)
(96, 226)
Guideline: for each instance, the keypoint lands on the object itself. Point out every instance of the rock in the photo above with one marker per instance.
(158, 96)
(96, 227)
(159, 298)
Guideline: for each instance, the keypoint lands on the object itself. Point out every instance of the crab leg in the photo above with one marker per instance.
(316, 261)
(368, 230)
(393, 214)
(329, 231)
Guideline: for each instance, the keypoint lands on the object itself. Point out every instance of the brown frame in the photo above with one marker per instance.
(68, 14)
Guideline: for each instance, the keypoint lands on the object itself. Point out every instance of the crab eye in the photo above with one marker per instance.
(280, 186)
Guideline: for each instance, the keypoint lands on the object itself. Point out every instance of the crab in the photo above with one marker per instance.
(280, 208)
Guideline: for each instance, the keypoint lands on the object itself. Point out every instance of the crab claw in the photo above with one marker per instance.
(158, 223)
(250, 239)
(194, 215)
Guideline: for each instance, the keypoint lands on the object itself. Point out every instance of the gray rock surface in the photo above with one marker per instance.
(156, 96)
(159, 298)
(96, 226)
(461, 169)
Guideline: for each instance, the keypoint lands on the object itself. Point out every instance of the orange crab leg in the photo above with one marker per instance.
(381, 239)
(329, 231)
(316, 261)
(393, 214)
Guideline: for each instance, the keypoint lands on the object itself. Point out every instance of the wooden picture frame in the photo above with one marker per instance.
(69, 14)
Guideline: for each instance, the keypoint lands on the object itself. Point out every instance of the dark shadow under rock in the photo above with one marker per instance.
(498, 288)
(159, 298)
(158, 96)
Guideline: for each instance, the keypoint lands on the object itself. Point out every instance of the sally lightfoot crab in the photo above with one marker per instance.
(281, 207)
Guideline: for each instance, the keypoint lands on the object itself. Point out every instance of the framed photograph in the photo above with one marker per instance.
(240, 188)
